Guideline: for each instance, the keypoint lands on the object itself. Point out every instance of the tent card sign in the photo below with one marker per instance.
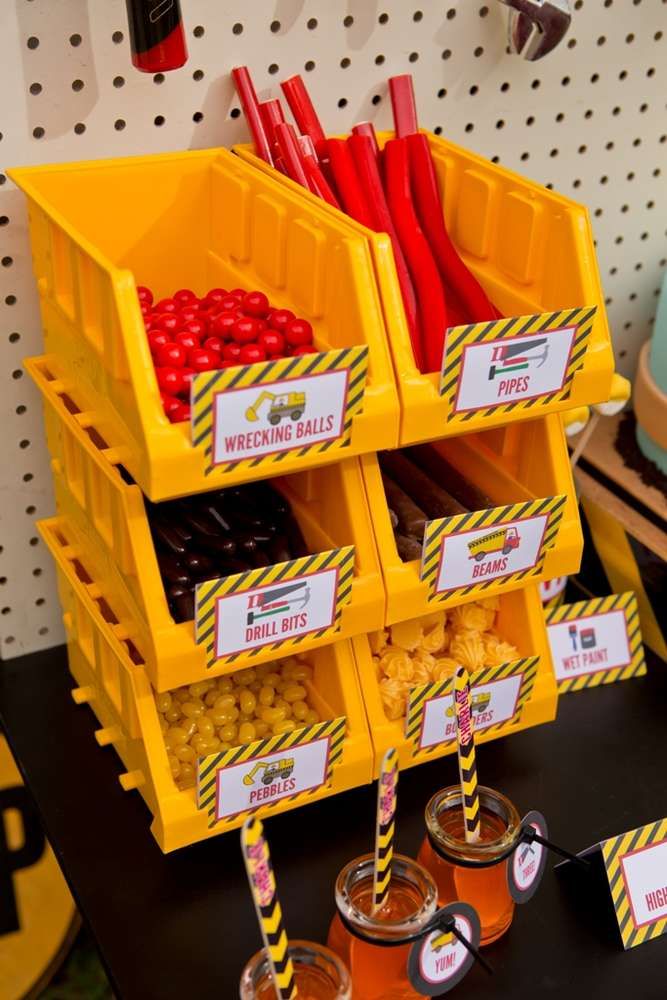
(520, 362)
(596, 642)
(464, 553)
(498, 695)
(278, 605)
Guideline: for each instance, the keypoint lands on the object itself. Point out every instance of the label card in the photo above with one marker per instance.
(596, 642)
(522, 361)
(464, 553)
(276, 605)
(526, 866)
(438, 961)
(498, 695)
(636, 866)
(256, 414)
(267, 771)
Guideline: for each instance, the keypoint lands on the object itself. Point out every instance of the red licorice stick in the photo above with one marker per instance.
(475, 304)
(423, 269)
(290, 152)
(271, 113)
(367, 129)
(250, 105)
(317, 182)
(157, 40)
(403, 105)
(347, 182)
(365, 159)
(304, 113)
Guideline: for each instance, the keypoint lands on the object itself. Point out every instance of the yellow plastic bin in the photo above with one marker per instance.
(505, 699)
(198, 219)
(107, 523)
(521, 463)
(531, 249)
(114, 683)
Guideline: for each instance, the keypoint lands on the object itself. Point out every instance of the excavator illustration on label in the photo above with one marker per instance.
(279, 770)
(278, 601)
(282, 405)
(517, 357)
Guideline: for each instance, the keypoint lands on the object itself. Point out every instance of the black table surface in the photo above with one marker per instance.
(181, 926)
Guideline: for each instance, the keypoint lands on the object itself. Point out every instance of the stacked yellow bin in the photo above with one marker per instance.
(214, 219)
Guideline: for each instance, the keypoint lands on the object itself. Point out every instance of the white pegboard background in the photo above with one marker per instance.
(589, 120)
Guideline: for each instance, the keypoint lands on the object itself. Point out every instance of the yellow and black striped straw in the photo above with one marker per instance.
(385, 828)
(465, 740)
(269, 914)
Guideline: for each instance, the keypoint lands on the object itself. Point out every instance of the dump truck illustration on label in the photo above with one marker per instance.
(286, 404)
(516, 357)
(503, 540)
(478, 703)
(278, 601)
(278, 771)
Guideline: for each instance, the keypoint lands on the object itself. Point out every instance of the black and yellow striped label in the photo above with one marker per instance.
(279, 409)
(286, 766)
(522, 359)
(466, 553)
(385, 828)
(481, 703)
(267, 905)
(636, 866)
(273, 607)
(596, 642)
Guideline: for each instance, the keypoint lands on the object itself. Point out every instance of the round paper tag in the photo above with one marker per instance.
(439, 961)
(525, 867)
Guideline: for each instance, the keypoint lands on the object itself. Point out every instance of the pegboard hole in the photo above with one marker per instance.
(40, 602)
(451, 13)
(275, 27)
(35, 88)
(483, 11)
(43, 630)
(609, 145)
(235, 113)
(446, 53)
(198, 31)
(417, 16)
(9, 640)
(469, 127)
(572, 43)
(197, 117)
(30, 510)
(473, 90)
(38, 132)
(376, 98)
(79, 128)
(344, 63)
(383, 18)
(442, 92)
(7, 261)
(78, 85)
(4, 219)
(6, 611)
(10, 300)
(198, 74)
(37, 571)
(34, 541)
(595, 77)
(560, 117)
(237, 29)
(505, 87)
(158, 78)
(24, 443)
(629, 39)
(479, 51)
(438, 130)
(118, 82)
(159, 120)
(33, 42)
(312, 22)
(21, 409)
(379, 59)
(536, 84)
(348, 21)
(28, 477)
(273, 68)
(116, 38)
(413, 57)
(309, 66)
(119, 124)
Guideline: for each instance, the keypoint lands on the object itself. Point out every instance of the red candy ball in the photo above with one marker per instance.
(298, 332)
(186, 339)
(197, 327)
(214, 344)
(215, 295)
(145, 294)
(170, 380)
(179, 413)
(184, 296)
(169, 403)
(245, 331)
(272, 342)
(190, 312)
(157, 339)
(251, 354)
(255, 304)
(188, 375)
(166, 306)
(170, 321)
(171, 355)
(232, 352)
(203, 360)
(280, 319)
(303, 349)
(223, 324)
(229, 304)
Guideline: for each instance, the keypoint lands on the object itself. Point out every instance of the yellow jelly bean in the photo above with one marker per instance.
(312, 717)
(181, 694)
(214, 744)
(255, 687)
(266, 695)
(185, 753)
(211, 697)
(187, 774)
(225, 701)
(225, 746)
(261, 728)
(286, 726)
(247, 702)
(246, 732)
(164, 725)
(199, 689)
(244, 676)
(299, 710)
(163, 701)
(198, 744)
(273, 715)
(228, 732)
(205, 726)
(301, 672)
(176, 737)
(281, 703)
(193, 709)
(272, 679)
(225, 685)
(294, 692)
(174, 765)
(173, 714)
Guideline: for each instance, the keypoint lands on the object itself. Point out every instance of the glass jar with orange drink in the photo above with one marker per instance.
(376, 946)
(474, 873)
(318, 973)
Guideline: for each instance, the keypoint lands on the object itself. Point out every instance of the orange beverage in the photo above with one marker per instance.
(474, 873)
(379, 970)
(319, 975)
